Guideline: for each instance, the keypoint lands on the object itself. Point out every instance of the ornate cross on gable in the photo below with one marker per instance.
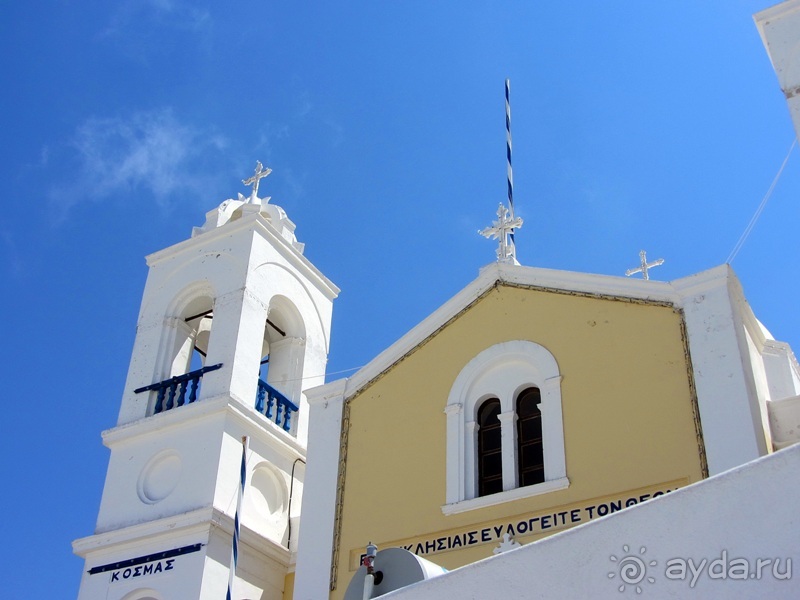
(500, 230)
(644, 265)
(260, 173)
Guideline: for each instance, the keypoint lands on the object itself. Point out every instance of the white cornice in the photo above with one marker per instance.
(256, 224)
(326, 392)
(775, 12)
(169, 419)
(219, 406)
(189, 523)
(497, 274)
(197, 522)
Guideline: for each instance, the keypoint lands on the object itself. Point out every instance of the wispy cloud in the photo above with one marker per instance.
(149, 152)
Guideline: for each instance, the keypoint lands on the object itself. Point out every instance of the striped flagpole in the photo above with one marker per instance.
(235, 547)
(508, 158)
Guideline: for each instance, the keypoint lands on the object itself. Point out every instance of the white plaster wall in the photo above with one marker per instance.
(269, 466)
(312, 575)
(778, 26)
(749, 512)
(782, 370)
(257, 575)
(196, 444)
(726, 392)
(182, 582)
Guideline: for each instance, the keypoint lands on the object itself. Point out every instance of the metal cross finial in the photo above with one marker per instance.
(644, 265)
(500, 230)
(260, 173)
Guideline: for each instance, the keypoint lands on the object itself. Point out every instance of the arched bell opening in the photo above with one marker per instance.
(194, 333)
(283, 347)
(281, 365)
(188, 335)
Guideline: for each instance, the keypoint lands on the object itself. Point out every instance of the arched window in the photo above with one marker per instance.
(490, 457)
(510, 393)
(530, 455)
(192, 336)
(283, 348)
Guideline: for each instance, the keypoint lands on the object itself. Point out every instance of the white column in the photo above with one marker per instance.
(236, 339)
(508, 430)
(470, 464)
(286, 367)
(312, 575)
(555, 466)
(454, 482)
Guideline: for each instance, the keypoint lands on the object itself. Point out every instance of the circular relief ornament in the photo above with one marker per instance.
(159, 477)
(268, 492)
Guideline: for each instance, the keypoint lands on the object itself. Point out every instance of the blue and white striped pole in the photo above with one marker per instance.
(508, 159)
(235, 546)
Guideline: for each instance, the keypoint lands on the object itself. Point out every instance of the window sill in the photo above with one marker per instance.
(508, 496)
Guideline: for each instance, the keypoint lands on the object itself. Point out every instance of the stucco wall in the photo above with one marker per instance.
(724, 524)
(628, 414)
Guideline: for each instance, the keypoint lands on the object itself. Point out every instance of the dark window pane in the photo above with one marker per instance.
(492, 486)
(532, 455)
(530, 469)
(531, 427)
(490, 439)
(532, 477)
(492, 464)
(490, 458)
(487, 415)
(527, 402)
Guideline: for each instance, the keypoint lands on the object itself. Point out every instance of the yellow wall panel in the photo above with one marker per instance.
(628, 413)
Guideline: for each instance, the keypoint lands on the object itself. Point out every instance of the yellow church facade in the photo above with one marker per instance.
(432, 448)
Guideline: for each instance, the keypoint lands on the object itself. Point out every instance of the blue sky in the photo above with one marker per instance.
(637, 125)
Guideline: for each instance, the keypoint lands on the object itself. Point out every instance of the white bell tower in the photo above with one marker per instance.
(234, 326)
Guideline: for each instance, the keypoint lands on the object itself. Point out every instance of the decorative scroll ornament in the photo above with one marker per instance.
(259, 174)
(644, 266)
(502, 229)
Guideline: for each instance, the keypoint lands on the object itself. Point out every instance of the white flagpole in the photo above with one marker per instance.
(235, 545)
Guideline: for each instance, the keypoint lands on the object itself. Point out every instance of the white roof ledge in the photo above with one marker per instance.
(784, 421)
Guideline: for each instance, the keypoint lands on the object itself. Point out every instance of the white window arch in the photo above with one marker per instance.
(502, 371)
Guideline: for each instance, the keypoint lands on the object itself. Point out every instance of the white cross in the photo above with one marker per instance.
(260, 173)
(644, 265)
(500, 230)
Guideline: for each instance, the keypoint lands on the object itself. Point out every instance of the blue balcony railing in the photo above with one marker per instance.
(268, 398)
(172, 392)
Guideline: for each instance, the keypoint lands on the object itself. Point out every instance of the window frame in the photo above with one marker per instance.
(502, 371)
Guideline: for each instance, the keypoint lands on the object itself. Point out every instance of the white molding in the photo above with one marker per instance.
(502, 371)
(502, 497)
(223, 405)
(256, 223)
(508, 445)
(194, 523)
(549, 279)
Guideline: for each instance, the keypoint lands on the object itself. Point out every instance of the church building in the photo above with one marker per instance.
(532, 402)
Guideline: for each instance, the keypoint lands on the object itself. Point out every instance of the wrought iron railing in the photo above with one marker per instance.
(268, 398)
(172, 392)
